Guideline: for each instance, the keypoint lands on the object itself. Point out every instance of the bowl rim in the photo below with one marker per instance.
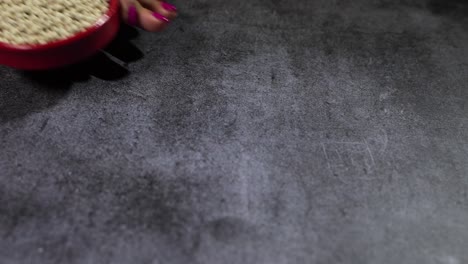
(112, 10)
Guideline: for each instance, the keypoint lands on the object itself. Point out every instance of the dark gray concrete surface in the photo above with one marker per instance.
(326, 131)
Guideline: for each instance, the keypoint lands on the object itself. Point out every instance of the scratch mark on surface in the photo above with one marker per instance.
(136, 94)
(370, 153)
(339, 156)
(345, 142)
(44, 124)
(385, 141)
(326, 156)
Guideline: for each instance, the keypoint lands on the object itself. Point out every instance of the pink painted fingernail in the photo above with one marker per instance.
(161, 17)
(132, 18)
(169, 7)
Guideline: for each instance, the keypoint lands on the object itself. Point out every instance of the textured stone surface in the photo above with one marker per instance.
(321, 131)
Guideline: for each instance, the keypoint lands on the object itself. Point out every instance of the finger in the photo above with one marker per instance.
(151, 21)
(130, 12)
(137, 15)
(161, 7)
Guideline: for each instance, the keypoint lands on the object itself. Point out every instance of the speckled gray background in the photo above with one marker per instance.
(263, 132)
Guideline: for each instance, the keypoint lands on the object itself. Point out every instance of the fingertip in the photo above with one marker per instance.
(132, 16)
(167, 10)
(152, 21)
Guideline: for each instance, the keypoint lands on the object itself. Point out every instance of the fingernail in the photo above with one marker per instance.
(169, 7)
(132, 18)
(161, 17)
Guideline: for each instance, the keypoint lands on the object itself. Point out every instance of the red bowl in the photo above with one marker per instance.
(67, 51)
